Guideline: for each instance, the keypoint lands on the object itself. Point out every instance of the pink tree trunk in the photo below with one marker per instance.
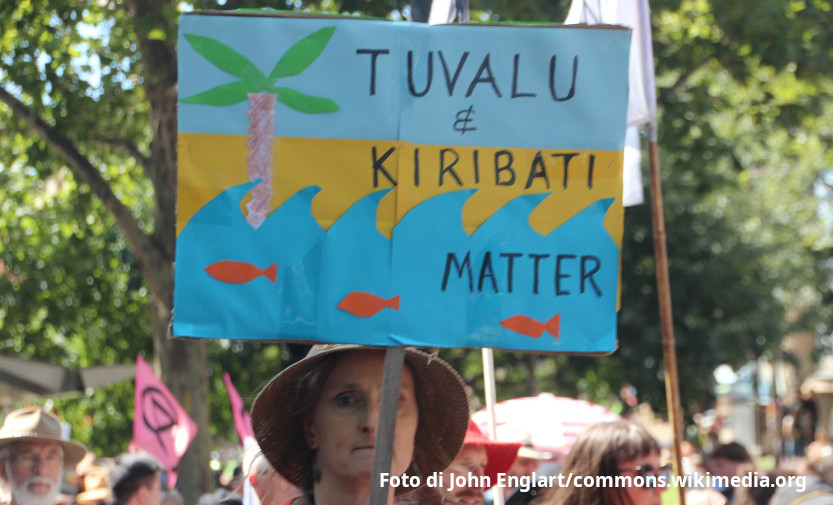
(261, 129)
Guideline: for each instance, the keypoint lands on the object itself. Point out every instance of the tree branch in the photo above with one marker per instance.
(128, 148)
(668, 93)
(86, 172)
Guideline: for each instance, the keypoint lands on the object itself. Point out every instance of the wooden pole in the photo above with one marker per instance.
(388, 407)
(672, 385)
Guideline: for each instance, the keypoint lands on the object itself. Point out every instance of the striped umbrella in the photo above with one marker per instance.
(552, 422)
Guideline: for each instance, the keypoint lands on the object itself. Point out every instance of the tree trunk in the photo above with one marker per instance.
(183, 363)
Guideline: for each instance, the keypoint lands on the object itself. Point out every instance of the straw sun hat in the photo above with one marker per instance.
(280, 410)
(33, 424)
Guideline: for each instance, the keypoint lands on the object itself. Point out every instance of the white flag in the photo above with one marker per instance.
(444, 11)
(642, 99)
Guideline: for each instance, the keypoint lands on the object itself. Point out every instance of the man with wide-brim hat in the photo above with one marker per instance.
(33, 456)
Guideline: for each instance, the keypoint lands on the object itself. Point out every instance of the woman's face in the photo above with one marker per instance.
(342, 428)
(640, 495)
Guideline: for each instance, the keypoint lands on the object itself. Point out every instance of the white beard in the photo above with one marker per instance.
(22, 496)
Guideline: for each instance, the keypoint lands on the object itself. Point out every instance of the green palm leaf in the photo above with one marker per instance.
(301, 55)
(227, 94)
(305, 103)
(228, 60)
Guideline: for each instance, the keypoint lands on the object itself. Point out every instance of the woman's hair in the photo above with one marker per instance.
(598, 452)
(312, 385)
(732, 451)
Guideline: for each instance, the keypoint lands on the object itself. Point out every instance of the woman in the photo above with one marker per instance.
(621, 453)
(316, 421)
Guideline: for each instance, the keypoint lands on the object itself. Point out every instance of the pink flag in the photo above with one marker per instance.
(241, 415)
(160, 425)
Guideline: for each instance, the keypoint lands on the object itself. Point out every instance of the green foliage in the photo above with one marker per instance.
(71, 295)
(250, 365)
(70, 289)
(296, 59)
(65, 259)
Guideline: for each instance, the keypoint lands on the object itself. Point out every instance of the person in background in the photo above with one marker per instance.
(33, 456)
(220, 496)
(481, 458)
(270, 487)
(611, 449)
(316, 421)
(232, 477)
(806, 421)
(758, 494)
(525, 465)
(92, 479)
(696, 493)
(136, 479)
(172, 497)
(817, 488)
(728, 460)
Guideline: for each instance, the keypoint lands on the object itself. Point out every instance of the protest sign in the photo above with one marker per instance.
(370, 182)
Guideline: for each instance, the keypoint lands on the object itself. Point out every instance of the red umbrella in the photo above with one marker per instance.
(552, 422)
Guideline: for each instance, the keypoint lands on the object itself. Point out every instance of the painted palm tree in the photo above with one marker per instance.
(262, 93)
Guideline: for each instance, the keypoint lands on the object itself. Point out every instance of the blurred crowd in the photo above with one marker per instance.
(315, 425)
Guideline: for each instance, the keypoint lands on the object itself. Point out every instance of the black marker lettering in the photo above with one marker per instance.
(552, 80)
(374, 53)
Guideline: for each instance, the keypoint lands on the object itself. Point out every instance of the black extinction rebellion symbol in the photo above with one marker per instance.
(158, 413)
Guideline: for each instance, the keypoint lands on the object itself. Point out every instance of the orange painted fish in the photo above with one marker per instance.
(363, 304)
(533, 328)
(238, 272)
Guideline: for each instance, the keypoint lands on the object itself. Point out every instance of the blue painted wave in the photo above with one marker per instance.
(454, 289)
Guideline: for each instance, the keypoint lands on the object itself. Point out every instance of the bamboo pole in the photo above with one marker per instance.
(672, 385)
